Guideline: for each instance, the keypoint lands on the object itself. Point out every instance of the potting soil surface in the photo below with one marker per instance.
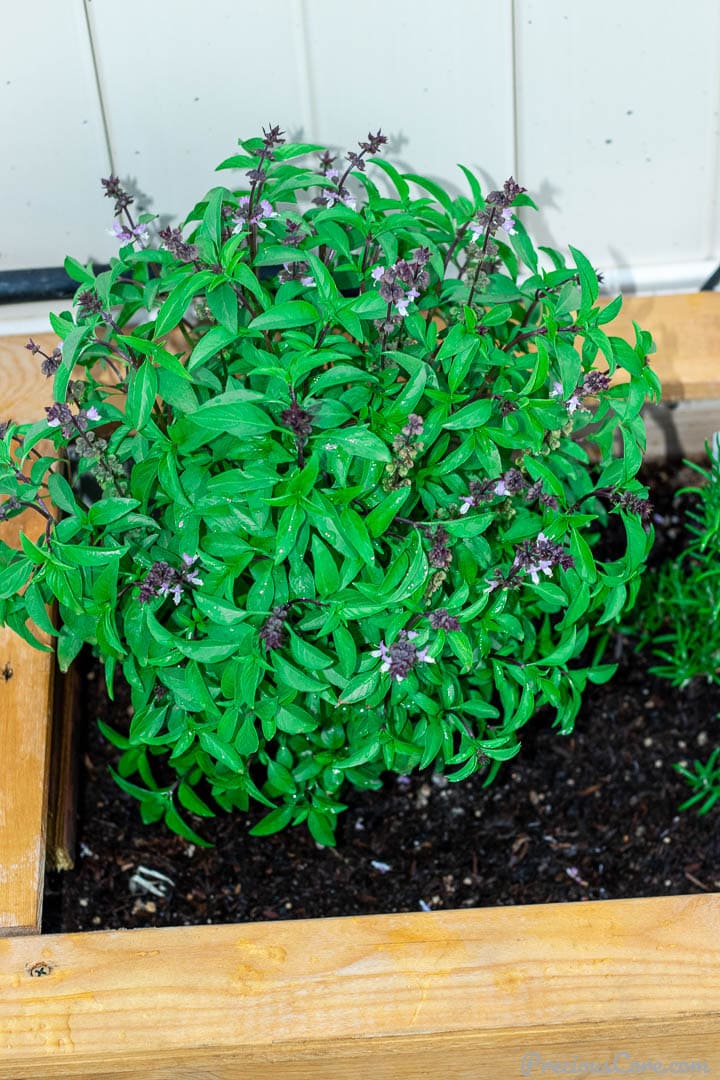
(588, 816)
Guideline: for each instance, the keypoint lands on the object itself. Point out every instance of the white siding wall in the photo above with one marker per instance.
(609, 114)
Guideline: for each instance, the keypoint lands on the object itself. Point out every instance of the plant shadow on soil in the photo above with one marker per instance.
(588, 816)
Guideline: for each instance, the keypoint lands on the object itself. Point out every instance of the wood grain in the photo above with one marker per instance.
(26, 697)
(63, 780)
(686, 330)
(460, 993)
(24, 390)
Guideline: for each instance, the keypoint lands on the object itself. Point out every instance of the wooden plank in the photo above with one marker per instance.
(460, 993)
(680, 430)
(686, 330)
(24, 390)
(63, 781)
(26, 697)
(26, 700)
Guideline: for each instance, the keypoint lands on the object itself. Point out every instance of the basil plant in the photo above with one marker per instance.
(332, 466)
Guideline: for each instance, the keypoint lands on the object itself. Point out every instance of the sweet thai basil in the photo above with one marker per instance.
(339, 454)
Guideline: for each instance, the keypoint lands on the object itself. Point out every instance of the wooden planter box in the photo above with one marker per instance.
(486, 993)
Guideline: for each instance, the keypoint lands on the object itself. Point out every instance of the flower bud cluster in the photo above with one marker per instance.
(272, 631)
(405, 451)
(441, 620)
(51, 362)
(497, 214)
(633, 504)
(535, 557)
(404, 280)
(172, 240)
(593, 383)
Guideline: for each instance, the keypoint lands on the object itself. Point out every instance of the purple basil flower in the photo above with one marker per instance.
(540, 557)
(164, 580)
(261, 212)
(129, 233)
(508, 222)
(401, 657)
(57, 414)
(190, 575)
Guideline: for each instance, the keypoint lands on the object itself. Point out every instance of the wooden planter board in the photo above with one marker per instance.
(465, 993)
(26, 697)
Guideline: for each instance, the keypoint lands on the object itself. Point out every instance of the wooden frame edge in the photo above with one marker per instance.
(362, 996)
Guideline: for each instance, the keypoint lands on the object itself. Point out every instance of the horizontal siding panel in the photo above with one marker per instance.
(438, 81)
(53, 143)
(181, 86)
(618, 128)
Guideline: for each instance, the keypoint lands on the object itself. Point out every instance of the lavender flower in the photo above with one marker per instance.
(160, 580)
(510, 483)
(190, 575)
(341, 195)
(401, 657)
(61, 415)
(572, 404)
(297, 272)
(496, 215)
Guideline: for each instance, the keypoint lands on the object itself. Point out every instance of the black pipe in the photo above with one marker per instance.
(46, 283)
(712, 281)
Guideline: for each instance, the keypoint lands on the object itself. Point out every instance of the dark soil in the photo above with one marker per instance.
(585, 817)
